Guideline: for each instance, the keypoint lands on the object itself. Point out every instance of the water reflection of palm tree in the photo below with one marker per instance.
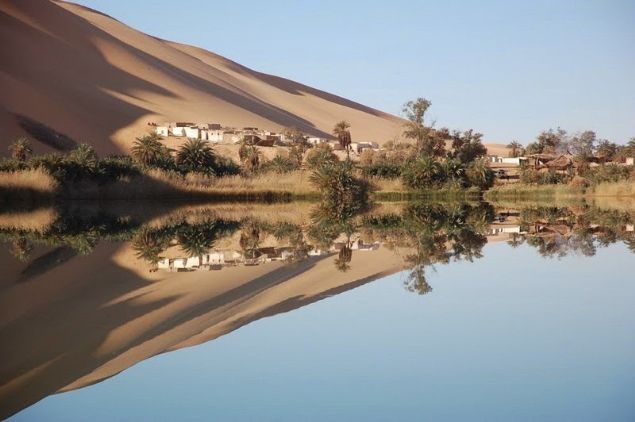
(299, 248)
(250, 239)
(342, 262)
(21, 249)
(149, 245)
(198, 239)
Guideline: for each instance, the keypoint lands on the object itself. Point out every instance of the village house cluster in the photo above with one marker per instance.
(216, 133)
(509, 167)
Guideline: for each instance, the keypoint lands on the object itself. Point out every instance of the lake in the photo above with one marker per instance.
(407, 311)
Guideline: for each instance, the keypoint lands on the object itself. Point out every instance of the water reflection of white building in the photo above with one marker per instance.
(209, 261)
(217, 259)
(496, 230)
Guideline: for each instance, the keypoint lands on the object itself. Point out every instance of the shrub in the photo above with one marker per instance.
(552, 178)
(280, 164)
(607, 173)
(423, 173)
(383, 170)
(342, 193)
(479, 175)
(225, 166)
(320, 156)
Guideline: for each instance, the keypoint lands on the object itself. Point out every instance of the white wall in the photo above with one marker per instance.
(192, 132)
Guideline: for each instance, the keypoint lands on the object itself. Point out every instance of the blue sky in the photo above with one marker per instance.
(508, 69)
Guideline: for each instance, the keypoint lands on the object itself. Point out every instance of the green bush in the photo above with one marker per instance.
(423, 173)
(342, 193)
(280, 164)
(383, 170)
(607, 173)
(320, 156)
(479, 175)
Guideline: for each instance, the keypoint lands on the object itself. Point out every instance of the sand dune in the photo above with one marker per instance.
(71, 74)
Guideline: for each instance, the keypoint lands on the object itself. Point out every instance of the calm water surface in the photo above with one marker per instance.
(429, 313)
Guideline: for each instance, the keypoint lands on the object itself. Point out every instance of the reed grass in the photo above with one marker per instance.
(619, 189)
(158, 184)
(26, 185)
(34, 220)
(525, 191)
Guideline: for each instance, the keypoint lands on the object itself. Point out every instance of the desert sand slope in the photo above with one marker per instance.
(90, 78)
(91, 317)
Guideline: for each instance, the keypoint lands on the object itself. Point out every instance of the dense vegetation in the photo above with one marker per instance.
(423, 233)
(431, 159)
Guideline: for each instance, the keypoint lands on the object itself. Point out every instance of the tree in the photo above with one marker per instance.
(148, 151)
(21, 149)
(295, 135)
(552, 141)
(467, 146)
(582, 144)
(516, 149)
(196, 155)
(606, 150)
(343, 136)
(416, 128)
(533, 148)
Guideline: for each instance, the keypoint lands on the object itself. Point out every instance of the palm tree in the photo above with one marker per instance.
(250, 157)
(515, 147)
(480, 175)
(343, 135)
(422, 173)
(196, 155)
(455, 172)
(21, 149)
(148, 150)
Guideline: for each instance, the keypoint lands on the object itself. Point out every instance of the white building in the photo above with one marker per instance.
(163, 131)
(313, 140)
(192, 132)
(507, 160)
(178, 131)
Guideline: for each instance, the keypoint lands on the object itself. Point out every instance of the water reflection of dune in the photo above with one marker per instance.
(94, 316)
(82, 299)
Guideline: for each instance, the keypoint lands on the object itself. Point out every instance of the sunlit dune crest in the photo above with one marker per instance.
(112, 80)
